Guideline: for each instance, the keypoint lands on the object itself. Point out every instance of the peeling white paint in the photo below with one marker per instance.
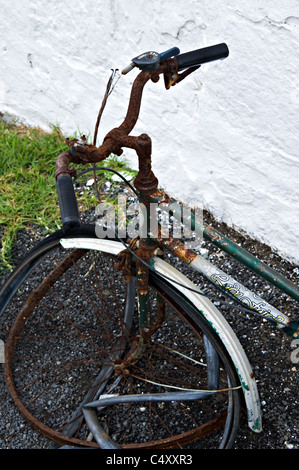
(231, 128)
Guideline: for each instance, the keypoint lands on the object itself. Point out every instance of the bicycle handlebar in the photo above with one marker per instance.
(152, 65)
(201, 56)
(151, 60)
(67, 203)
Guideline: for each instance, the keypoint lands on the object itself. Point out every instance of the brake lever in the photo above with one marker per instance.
(172, 79)
(150, 60)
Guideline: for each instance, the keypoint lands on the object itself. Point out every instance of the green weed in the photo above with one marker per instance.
(27, 183)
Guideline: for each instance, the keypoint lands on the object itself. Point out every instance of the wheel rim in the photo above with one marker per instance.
(174, 434)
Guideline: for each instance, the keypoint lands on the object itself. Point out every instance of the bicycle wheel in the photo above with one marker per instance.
(76, 340)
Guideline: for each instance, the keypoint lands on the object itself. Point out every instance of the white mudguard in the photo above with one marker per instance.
(207, 309)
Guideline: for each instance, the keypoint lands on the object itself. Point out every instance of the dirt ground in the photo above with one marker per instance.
(268, 349)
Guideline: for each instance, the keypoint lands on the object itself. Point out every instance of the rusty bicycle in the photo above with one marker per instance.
(113, 346)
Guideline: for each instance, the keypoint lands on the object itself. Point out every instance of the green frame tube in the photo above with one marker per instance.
(251, 262)
(236, 251)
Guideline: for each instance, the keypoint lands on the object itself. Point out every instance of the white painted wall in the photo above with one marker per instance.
(226, 137)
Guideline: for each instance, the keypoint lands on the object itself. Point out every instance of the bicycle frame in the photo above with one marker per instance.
(147, 255)
(147, 185)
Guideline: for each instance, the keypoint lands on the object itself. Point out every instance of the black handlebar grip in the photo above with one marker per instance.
(67, 203)
(201, 56)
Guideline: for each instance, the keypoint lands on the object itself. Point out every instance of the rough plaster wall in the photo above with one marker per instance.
(226, 137)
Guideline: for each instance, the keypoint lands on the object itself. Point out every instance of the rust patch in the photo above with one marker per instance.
(178, 249)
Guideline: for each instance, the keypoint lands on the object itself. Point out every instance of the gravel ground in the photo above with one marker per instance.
(268, 350)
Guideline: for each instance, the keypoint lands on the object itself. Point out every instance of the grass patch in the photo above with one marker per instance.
(27, 182)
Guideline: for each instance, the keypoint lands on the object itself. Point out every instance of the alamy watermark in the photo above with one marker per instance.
(133, 219)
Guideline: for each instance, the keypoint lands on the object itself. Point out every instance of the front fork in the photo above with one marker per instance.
(141, 251)
(147, 323)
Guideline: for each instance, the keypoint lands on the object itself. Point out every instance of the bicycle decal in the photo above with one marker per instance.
(252, 300)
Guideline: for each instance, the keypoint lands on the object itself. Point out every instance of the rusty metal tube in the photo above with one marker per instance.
(135, 102)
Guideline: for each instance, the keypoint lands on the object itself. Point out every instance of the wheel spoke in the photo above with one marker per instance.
(74, 362)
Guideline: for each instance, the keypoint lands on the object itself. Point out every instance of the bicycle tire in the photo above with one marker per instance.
(51, 328)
